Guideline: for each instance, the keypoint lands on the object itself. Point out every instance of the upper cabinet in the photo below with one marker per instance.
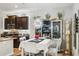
(15, 22)
(10, 22)
(22, 22)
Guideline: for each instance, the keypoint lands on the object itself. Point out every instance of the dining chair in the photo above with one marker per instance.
(22, 38)
(54, 48)
(31, 48)
(59, 44)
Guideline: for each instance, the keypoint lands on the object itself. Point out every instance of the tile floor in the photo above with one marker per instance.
(17, 52)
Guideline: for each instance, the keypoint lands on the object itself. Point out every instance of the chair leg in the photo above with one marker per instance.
(32, 54)
(29, 54)
(55, 53)
(44, 53)
(22, 53)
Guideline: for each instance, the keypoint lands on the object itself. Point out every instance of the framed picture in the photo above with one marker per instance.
(56, 29)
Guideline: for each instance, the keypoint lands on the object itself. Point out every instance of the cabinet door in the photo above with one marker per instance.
(56, 31)
(6, 48)
(10, 22)
(46, 29)
(24, 22)
(6, 23)
(18, 23)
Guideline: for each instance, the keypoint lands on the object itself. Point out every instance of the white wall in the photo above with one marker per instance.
(1, 21)
(67, 11)
(76, 7)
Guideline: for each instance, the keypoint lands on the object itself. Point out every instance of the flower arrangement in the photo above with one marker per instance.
(60, 15)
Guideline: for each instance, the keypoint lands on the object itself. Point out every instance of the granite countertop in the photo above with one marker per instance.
(6, 38)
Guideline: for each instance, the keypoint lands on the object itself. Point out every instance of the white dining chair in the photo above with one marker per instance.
(59, 44)
(31, 48)
(54, 48)
(22, 38)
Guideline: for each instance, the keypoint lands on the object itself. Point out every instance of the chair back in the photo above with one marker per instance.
(56, 43)
(59, 43)
(31, 47)
(22, 38)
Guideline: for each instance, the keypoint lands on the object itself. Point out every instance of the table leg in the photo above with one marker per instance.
(22, 52)
(44, 53)
(29, 54)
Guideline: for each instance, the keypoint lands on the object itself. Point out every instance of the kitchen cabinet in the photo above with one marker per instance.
(15, 22)
(21, 23)
(6, 48)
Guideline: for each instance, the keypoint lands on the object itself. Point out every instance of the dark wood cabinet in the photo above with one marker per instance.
(16, 22)
(10, 22)
(6, 23)
(22, 23)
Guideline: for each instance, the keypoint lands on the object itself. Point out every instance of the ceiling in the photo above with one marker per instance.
(16, 6)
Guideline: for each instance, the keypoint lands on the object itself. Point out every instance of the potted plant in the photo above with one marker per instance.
(60, 15)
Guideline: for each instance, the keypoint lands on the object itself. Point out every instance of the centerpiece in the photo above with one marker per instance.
(37, 35)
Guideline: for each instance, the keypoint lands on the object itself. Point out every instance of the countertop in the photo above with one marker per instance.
(6, 38)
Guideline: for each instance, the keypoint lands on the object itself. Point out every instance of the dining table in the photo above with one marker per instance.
(42, 44)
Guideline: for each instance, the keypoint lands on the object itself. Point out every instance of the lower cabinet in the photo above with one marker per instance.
(6, 48)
